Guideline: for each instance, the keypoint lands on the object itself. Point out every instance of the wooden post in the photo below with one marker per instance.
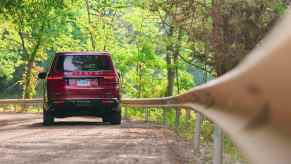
(197, 132)
(218, 145)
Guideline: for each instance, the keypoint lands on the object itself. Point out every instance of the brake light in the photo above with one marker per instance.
(55, 77)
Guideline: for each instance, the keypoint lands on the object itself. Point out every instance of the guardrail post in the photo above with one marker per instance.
(146, 114)
(15, 108)
(125, 113)
(177, 119)
(39, 108)
(188, 114)
(218, 145)
(197, 132)
(164, 116)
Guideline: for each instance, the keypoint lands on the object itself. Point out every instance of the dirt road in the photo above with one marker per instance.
(23, 140)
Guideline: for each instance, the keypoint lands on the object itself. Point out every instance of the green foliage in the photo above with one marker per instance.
(280, 8)
(8, 63)
(135, 33)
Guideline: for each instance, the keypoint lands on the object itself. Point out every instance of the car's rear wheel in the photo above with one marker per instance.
(114, 118)
(48, 118)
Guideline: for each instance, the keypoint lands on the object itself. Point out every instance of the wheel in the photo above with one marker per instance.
(48, 118)
(113, 117)
(106, 118)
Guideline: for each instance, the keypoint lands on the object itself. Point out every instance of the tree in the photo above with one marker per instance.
(221, 33)
(31, 27)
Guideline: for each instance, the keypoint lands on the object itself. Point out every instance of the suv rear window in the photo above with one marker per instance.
(70, 63)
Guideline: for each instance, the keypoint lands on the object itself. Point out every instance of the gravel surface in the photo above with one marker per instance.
(23, 140)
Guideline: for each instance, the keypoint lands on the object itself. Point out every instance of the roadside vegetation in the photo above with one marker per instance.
(161, 47)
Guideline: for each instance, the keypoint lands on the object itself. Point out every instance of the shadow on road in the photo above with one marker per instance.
(69, 124)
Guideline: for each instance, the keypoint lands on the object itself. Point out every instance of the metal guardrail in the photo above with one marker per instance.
(252, 103)
(20, 101)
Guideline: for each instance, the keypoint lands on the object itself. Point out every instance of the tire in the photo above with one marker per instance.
(106, 118)
(114, 118)
(48, 118)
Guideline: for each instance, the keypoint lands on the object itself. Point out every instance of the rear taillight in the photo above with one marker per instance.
(56, 85)
(55, 78)
(108, 81)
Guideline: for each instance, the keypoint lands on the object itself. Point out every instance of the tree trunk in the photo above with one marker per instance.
(176, 57)
(217, 37)
(27, 94)
(29, 86)
(92, 39)
(29, 81)
(171, 72)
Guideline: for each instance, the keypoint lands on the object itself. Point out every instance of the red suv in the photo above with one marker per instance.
(81, 84)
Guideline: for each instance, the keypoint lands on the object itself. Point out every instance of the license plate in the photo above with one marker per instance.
(83, 83)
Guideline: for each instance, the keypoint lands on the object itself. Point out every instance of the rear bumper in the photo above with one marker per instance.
(83, 107)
